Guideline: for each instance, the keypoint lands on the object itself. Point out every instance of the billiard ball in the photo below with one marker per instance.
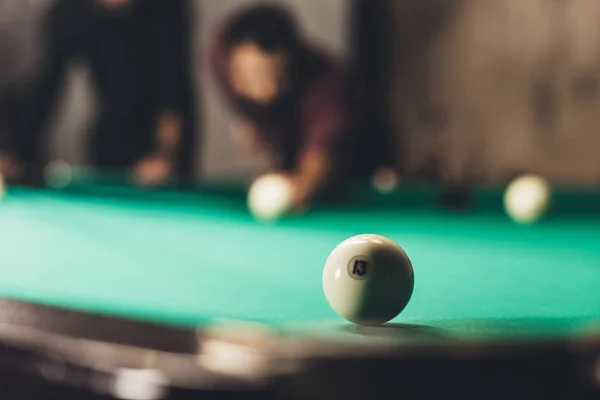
(368, 279)
(270, 197)
(527, 198)
(385, 180)
(58, 174)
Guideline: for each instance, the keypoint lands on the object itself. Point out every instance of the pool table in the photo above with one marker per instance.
(111, 291)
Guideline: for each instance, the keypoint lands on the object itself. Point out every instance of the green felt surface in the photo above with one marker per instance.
(189, 258)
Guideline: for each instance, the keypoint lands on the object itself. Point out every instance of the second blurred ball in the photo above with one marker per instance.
(270, 197)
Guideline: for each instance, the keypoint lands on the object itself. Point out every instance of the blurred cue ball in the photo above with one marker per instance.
(385, 180)
(58, 174)
(270, 197)
(527, 198)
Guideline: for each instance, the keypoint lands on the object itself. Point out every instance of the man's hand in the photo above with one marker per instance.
(153, 170)
(159, 167)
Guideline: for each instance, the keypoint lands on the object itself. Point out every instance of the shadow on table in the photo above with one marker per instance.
(393, 330)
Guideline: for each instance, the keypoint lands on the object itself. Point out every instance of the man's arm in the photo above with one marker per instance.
(169, 58)
(314, 172)
(322, 157)
(168, 134)
(172, 64)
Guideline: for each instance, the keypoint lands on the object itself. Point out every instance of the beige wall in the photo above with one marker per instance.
(497, 86)
(74, 113)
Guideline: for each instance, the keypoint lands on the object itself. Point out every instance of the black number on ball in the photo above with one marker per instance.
(360, 267)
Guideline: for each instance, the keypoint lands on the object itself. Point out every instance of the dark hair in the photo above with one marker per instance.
(270, 27)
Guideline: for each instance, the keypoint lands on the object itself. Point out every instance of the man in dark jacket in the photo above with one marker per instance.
(130, 47)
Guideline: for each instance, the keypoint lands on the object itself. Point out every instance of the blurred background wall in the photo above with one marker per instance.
(475, 90)
(486, 89)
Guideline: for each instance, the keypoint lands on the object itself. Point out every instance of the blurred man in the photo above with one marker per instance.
(291, 99)
(129, 46)
(19, 20)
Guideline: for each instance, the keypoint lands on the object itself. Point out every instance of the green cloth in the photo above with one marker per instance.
(188, 258)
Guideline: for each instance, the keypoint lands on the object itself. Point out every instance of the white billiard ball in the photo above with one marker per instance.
(368, 279)
(58, 174)
(270, 197)
(527, 198)
(385, 180)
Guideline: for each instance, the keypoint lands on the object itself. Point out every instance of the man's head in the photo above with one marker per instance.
(262, 43)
